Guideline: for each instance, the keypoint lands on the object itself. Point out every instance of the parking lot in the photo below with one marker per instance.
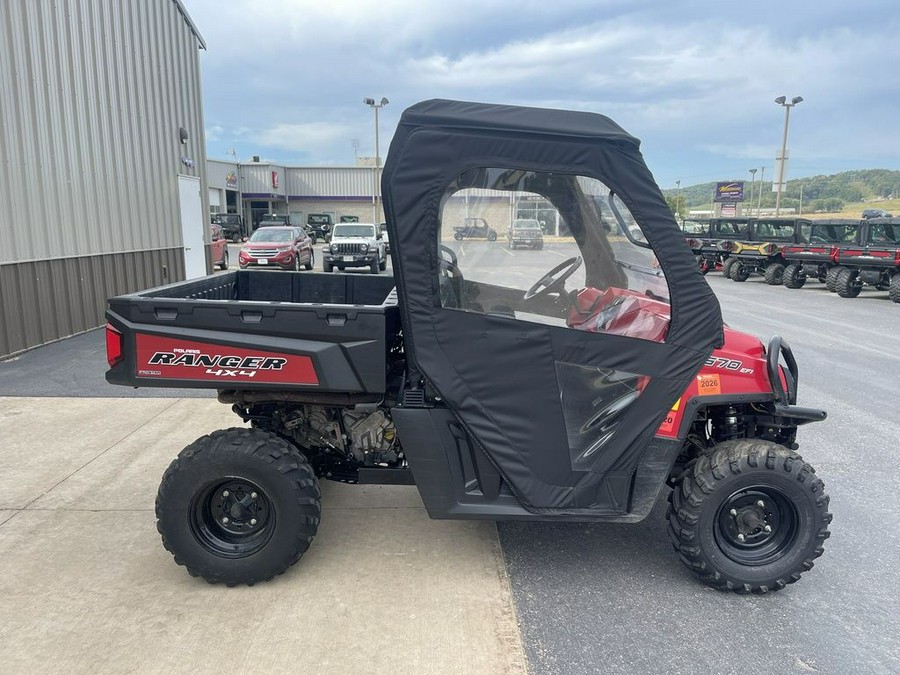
(86, 586)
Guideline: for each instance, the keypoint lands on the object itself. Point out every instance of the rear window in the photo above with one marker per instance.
(781, 231)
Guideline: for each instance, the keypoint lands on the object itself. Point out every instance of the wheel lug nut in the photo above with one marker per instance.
(253, 495)
(768, 528)
(253, 521)
(225, 520)
(225, 493)
(761, 504)
(741, 537)
(733, 512)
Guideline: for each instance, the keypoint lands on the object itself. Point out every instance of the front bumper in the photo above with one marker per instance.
(283, 261)
(784, 384)
(356, 260)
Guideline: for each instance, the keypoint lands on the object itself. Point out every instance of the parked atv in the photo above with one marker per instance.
(816, 255)
(873, 259)
(475, 228)
(713, 245)
(502, 390)
(762, 252)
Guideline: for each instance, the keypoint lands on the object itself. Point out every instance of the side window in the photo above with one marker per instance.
(591, 274)
(805, 232)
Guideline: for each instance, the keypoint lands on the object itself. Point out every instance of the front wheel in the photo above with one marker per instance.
(751, 517)
(458, 236)
(311, 262)
(238, 506)
(382, 265)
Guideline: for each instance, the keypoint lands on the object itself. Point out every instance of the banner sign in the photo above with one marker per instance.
(730, 192)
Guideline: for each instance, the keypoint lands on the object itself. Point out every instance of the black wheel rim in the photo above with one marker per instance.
(756, 525)
(232, 518)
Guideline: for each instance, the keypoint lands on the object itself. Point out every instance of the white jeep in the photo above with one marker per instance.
(355, 245)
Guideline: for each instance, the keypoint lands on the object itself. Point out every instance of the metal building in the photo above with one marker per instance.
(102, 158)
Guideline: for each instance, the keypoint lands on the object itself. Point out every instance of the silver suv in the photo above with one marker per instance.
(355, 245)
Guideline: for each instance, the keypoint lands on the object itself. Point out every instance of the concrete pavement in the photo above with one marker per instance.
(86, 586)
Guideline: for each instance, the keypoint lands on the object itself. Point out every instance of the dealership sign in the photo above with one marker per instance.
(730, 192)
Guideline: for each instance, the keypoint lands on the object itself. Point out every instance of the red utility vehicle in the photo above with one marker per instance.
(500, 390)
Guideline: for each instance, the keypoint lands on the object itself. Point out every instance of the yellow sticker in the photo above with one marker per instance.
(709, 385)
(677, 405)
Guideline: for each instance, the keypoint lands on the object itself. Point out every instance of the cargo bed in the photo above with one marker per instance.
(257, 330)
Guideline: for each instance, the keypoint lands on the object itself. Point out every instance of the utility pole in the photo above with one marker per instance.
(762, 177)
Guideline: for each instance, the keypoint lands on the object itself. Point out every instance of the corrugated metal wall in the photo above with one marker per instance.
(330, 182)
(92, 95)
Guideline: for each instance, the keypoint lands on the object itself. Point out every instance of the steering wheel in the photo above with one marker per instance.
(553, 281)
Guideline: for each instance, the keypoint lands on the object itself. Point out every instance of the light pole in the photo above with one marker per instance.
(762, 178)
(376, 106)
(782, 101)
(752, 179)
(678, 199)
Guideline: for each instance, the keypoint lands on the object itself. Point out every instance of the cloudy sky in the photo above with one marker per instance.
(695, 81)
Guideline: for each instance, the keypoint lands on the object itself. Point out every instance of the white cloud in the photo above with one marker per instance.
(301, 137)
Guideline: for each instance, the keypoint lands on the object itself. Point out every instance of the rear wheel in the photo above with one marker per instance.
(894, 289)
(751, 517)
(739, 271)
(774, 274)
(238, 506)
(793, 276)
(491, 235)
(831, 277)
(224, 264)
(847, 284)
(726, 267)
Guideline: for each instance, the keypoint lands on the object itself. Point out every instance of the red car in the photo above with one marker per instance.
(284, 247)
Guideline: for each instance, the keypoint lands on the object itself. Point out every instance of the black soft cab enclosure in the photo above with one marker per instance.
(563, 398)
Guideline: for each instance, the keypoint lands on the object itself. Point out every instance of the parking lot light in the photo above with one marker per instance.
(782, 101)
(376, 105)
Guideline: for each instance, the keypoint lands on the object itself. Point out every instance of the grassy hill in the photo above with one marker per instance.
(843, 194)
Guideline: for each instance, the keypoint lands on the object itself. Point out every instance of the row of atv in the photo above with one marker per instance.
(845, 255)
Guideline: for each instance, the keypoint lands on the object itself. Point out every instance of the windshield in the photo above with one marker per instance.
(317, 220)
(594, 259)
(272, 234)
(353, 231)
